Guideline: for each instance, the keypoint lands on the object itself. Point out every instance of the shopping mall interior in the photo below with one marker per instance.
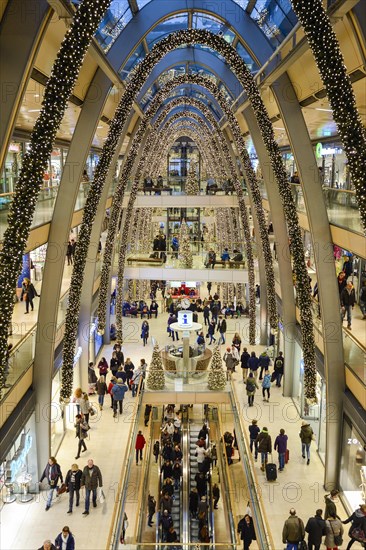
(182, 182)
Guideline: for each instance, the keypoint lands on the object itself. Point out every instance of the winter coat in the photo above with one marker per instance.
(145, 331)
(52, 474)
(264, 361)
(101, 388)
(92, 377)
(332, 527)
(306, 434)
(251, 386)
(177, 471)
(70, 544)
(264, 442)
(118, 391)
(254, 430)
(200, 454)
(140, 442)
(358, 519)
(247, 532)
(91, 481)
(316, 529)
(151, 504)
(166, 522)
(348, 298)
(167, 470)
(222, 326)
(211, 329)
(330, 507)
(136, 376)
(266, 382)
(193, 501)
(280, 443)
(216, 492)
(229, 361)
(114, 365)
(279, 364)
(293, 530)
(103, 368)
(77, 482)
(83, 403)
(253, 363)
(244, 359)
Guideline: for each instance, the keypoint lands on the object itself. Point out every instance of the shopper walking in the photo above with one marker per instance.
(253, 364)
(236, 342)
(254, 431)
(246, 531)
(251, 387)
(215, 495)
(348, 300)
(65, 540)
(92, 479)
(139, 446)
(316, 529)
(306, 436)
(118, 391)
(147, 412)
(53, 474)
(135, 381)
(211, 331)
(122, 538)
(331, 504)
(101, 391)
(357, 531)
(72, 482)
(266, 386)
(280, 445)
(206, 315)
(82, 403)
(229, 361)
(333, 533)
(293, 531)
(279, 364)
(82, 428)
(264, 442)
(151, 508)
(69, 253)
(28, 294)
(145, 332)
(156, 450)
(244, 363)
(221, 327)
(193, 502)
(92, 378)
(264, 362)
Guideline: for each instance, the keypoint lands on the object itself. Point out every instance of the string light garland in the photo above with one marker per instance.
(57, 91)
(141, 72)
(191, 186)
(324, 45)
(185, 252)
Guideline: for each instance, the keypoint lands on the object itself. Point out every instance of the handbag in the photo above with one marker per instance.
(302, 545)
(358, 534)
(25, 295)
(101, 497)
(338, 540)
(62, 489)
(91, 411)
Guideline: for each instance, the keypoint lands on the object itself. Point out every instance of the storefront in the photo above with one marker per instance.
(332, 164)
(352, 479)
(18, 464)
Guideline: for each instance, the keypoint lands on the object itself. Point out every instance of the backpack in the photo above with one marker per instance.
(279, 364)
(250, 386)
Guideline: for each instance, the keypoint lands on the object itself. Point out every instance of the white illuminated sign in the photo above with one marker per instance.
(185, 319)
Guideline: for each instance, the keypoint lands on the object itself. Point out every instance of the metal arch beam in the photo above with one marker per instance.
(25, 23)
(307, 166)
(254, 39)
(199, 57)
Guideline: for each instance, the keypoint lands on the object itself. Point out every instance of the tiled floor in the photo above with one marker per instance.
(26, 526)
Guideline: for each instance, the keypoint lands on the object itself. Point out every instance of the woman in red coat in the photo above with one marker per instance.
(140, 444)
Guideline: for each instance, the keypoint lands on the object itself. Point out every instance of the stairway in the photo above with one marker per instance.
(194, 430)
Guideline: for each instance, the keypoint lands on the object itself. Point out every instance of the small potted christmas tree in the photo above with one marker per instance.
(156, 377)
(216, 375)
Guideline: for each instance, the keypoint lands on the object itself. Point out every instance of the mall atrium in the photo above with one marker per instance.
(182, 274)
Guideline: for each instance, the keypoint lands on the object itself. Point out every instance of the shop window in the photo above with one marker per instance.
(353, 465)
(11, 170)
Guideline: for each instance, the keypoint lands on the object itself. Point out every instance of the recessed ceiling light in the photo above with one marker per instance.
(36, 95)
(99, 127)
(276, 128)
(34, 111)
(320, 109)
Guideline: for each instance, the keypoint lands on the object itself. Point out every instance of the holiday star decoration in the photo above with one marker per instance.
(59, 86)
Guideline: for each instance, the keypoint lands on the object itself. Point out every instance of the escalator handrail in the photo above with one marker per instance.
(189, 480)
(144, 485)
(123, 486)
(211, 521)
(184, 496)
(222, 458)
(259, 515)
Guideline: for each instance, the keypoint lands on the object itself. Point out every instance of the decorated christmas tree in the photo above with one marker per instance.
(185, 253)
(192, 185)
(216, 375)
(156, 377)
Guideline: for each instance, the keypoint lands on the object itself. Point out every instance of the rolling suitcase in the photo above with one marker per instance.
(271, 471)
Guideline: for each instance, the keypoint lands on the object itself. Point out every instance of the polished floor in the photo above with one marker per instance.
(26, 526)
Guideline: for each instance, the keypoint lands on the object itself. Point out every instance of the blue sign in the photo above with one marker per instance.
(25, 270)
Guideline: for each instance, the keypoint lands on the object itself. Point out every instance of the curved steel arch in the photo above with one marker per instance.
(200, 57)
(254, 40)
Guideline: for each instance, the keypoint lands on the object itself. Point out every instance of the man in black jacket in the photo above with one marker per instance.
(316, 529)
(221, 327)
(348, 299)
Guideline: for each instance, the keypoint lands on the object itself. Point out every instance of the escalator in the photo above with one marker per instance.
(194, 430)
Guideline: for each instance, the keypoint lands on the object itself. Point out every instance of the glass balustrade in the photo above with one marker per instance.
(45, 205)
(20, 360)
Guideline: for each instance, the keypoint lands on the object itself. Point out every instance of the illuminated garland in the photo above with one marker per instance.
(185, 252)
(59, 86)
(324, 45)
(142, 71)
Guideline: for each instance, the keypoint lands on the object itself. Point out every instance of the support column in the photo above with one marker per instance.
(327, 283)
(283, 254)
(55, 257)
(24, 22)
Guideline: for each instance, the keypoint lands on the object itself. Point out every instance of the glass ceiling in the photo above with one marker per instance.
(113, 23)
